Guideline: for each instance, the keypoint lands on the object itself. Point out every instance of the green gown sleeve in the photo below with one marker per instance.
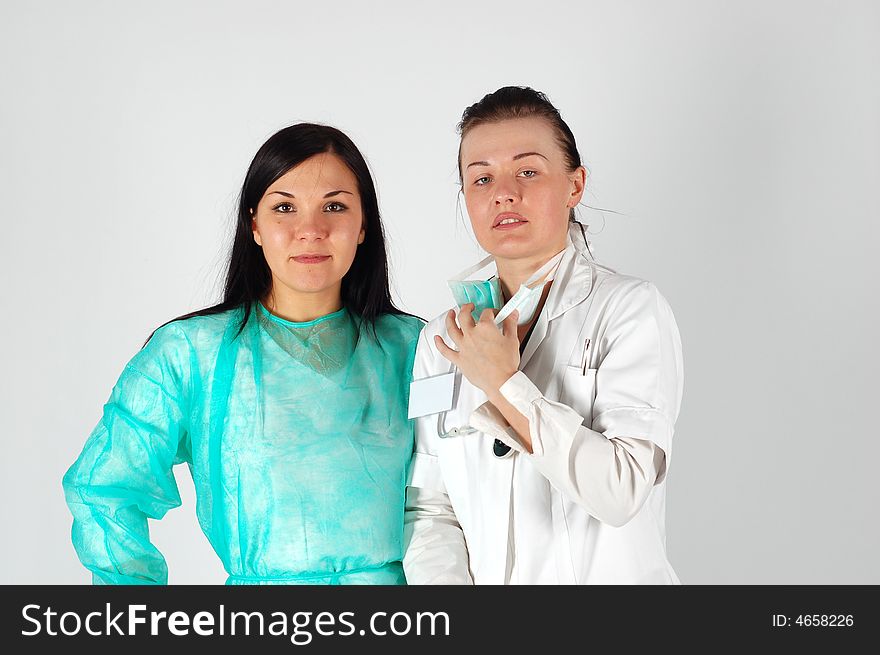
(124, 474)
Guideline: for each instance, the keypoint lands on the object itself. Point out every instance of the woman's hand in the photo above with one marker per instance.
(486, 355)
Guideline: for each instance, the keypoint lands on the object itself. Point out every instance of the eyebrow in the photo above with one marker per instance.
(528, 154)
(329, 194)
(515, 157)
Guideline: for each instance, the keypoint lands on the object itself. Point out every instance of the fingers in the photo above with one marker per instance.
(445, 350)
(465, 316)
(487, 316)
(509, 324)
(452, 327)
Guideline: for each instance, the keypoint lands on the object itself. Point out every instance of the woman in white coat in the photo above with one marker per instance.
(550, 465)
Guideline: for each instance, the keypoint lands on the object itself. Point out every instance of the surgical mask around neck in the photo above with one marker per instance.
(528, 295)
(486, 294)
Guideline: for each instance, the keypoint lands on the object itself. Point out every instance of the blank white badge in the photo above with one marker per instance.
(431, 395)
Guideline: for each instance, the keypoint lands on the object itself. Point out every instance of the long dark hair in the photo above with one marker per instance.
(520, 102)
(365, 287)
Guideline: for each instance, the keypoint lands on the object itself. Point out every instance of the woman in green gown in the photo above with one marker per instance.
(288, 400)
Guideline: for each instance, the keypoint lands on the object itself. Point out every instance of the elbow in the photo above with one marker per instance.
(621, 499)
(619, 514)
(611, 508)
(72, 487)
(627, 486)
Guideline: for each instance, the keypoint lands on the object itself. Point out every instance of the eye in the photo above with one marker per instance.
(481, 181)
(335, 207)
(283, 208)
(528, 173)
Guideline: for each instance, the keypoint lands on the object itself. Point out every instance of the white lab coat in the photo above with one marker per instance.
(588, 505)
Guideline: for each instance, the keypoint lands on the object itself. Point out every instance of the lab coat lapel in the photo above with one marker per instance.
(498, 546)
(571, 286)
(496, 481)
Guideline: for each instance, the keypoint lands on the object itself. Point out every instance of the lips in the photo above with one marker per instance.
(508, 220)
(310, 258)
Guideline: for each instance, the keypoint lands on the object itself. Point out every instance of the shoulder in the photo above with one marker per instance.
(174, 342)
(427, 348)
(618, 292)
(437, 325)
(399, 328)
(199, 330)
(628, 305)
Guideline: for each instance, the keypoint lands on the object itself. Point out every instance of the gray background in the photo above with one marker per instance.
(738, 142)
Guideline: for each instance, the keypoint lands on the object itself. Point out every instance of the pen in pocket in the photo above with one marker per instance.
(585, 358)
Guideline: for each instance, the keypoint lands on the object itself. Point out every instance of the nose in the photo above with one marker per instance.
(311, 226)
(505, 192)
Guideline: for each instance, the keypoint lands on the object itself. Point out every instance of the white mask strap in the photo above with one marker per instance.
(470, 270)
(548, 270)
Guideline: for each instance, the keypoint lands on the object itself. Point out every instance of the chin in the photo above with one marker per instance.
(311, 285)
(510, 248)
(317, 288)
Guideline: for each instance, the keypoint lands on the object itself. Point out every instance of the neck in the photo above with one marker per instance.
(512, 273)
(300, 307)
(522, 330)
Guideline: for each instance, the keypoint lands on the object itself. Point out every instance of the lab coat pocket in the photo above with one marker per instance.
(579, 392)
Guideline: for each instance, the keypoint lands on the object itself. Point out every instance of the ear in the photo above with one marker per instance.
(362, 236)
(255, 230)
(578, 179)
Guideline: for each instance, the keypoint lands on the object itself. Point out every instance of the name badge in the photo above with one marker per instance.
(431, 395)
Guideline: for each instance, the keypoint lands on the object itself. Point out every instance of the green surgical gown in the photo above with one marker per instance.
(296, 435)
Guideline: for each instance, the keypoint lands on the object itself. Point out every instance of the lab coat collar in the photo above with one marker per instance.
(571, 285)
(574, 277)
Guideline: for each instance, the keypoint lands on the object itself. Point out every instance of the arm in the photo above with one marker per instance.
(609, 469)
(609, 477)
(435, 547)
(124, 474)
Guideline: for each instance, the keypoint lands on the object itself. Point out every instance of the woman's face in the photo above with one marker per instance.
(309, 223)
(518, 189)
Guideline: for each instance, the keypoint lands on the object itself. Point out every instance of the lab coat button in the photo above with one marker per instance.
(500, 449)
